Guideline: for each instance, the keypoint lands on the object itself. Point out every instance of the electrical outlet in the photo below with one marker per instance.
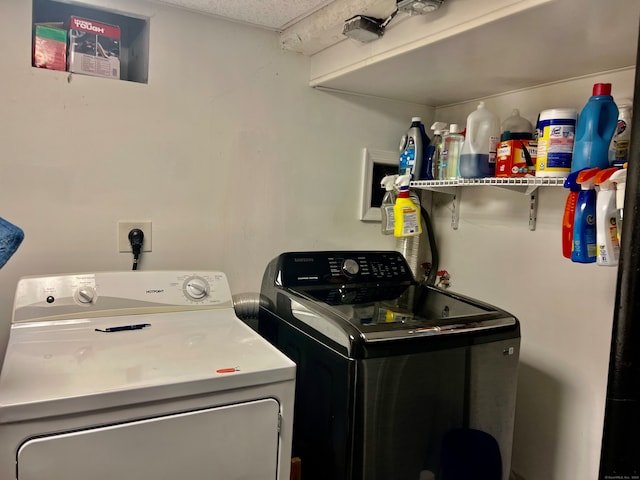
(123, 235)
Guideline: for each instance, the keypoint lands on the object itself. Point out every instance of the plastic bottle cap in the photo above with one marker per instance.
(416, 119)
(601, 89)
(454, 128)
(480, 105)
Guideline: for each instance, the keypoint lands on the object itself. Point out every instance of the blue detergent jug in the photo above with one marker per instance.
(596, 125)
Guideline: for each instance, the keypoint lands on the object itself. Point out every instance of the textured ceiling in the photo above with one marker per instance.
(272, 14)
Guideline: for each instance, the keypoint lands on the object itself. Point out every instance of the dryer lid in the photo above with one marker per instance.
(69, 366)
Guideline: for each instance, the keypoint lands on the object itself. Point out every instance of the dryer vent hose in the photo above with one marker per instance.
(246, 305)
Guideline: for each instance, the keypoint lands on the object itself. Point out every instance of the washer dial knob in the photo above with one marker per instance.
(196, 288)
(85, 295)
(350, 267)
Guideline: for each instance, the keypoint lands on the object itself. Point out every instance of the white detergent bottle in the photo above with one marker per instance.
(607, 240)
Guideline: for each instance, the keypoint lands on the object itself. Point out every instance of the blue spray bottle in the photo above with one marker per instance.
(584, 227)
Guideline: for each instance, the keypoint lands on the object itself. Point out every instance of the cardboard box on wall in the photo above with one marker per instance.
(94, 48)
(511, 159)
(49, 46)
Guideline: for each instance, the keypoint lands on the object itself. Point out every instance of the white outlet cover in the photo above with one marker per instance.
(123, 235)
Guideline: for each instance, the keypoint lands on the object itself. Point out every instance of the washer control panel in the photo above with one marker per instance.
(345, 267)
(115, 293)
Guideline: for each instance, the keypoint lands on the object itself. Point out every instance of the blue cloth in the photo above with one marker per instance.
(10, 239)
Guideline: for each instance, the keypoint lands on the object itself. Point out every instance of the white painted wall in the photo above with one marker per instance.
(234, 160)
(227, 151)
(566, 309)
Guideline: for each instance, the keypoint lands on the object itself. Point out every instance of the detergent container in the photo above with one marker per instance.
(516, 154)
(478, 155)
(607, 240)
(556, 134)
(569, 216)
(619, 147)
(451, 147)
(584, 227)
(406, 214)
(413, 151)
(595, 129)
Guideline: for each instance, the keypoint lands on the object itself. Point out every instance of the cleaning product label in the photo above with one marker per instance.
(516, 158)
(493, 148)
(609, 256)
(556, 135)
(410, 225)
(408, 157)
(388, 219)
(619, 153)
(555, 146)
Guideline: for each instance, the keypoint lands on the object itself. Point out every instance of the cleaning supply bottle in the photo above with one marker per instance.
(406, 213)
(434, 153)
(620, 180)
(596, 124)
(619, 147)
(517, 127)
(607, 241)
(413, 150)
(388, 202)
(584, 227)
(516, 150)
(568, 218)
(451, 147)
(478, 155)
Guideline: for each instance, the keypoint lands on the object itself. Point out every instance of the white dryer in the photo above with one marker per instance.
(140, 376)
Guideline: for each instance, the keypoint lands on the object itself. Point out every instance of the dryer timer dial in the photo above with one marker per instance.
(196, 288)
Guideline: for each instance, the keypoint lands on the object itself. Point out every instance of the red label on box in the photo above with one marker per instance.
(511, 159)
(90, 26)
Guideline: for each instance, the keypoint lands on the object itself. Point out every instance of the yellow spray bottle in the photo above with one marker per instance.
(405, 212)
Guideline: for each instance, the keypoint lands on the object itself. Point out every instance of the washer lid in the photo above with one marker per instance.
(59, 367)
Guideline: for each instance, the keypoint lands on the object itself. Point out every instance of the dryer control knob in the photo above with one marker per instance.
(196, 288)
(85, 295)
(350, 267)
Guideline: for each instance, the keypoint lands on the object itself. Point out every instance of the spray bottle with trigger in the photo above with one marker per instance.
(433, 168)
(620, 179)
(406, 213)
(388, 203)
(607, 241)
(584, 228)
(569, 216)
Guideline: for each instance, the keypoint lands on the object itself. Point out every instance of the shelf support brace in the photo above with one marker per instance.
(455, 208)
(533, 209)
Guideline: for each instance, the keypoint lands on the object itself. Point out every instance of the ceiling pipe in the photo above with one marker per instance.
(324, 27)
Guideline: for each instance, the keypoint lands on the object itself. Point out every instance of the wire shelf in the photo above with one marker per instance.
(491, 181)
